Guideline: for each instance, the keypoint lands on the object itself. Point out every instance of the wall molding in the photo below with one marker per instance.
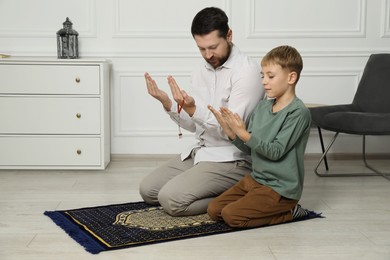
(324, 86)
(89, 32)
(359, 32)
(330, 72)
(356, 74)
(119, 32)
(385, 19)
(118, 129)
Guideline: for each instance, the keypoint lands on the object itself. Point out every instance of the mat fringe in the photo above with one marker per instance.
(75, 232)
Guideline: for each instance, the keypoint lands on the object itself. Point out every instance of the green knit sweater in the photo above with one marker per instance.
(277, 146)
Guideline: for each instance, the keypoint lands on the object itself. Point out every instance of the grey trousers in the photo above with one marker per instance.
(185, 189)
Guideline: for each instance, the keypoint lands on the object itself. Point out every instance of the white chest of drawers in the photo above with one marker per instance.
(54, 114)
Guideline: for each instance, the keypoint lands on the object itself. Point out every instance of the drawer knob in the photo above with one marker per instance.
(78, 151)
(78, 115)
(78, 80)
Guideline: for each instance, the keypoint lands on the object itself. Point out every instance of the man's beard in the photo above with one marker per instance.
(217, 62)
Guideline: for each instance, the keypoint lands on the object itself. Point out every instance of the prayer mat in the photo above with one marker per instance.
(125, 225)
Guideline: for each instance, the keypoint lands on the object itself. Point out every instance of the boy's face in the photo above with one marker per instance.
(214, 49)
(275, 79)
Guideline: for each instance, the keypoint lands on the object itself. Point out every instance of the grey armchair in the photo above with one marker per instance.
(369, 113)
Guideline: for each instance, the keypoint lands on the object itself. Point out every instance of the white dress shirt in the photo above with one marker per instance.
(235, 85)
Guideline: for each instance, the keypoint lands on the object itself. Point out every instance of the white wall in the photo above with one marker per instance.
(335, 38)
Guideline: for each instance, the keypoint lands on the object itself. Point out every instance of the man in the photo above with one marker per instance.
(185, 184)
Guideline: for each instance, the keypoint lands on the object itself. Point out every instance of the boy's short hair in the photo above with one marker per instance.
(210, 19)
(285, 56)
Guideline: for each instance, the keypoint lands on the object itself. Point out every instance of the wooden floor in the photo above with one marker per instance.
(357, 223)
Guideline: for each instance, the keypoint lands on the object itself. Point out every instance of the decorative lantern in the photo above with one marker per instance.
(67, 42)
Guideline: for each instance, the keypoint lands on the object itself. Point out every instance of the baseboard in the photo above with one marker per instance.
(125, 157)
(349, 156)
(308, 156)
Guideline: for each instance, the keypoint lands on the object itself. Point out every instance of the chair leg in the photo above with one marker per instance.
(322, 147)
(328, 174)
(385, 175)
(324, 156)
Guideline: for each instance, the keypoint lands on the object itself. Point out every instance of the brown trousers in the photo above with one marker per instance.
(251, 204)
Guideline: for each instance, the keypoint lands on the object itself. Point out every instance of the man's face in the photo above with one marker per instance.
(214, 49)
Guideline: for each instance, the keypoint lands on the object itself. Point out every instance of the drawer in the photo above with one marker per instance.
(49, 115)
(49, 151)
(49, 79)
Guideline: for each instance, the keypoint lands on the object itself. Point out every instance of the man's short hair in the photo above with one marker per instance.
(210, 19)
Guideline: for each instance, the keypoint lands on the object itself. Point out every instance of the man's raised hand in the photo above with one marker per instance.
(157, 93)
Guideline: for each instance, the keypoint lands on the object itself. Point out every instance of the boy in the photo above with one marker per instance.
(276, 138)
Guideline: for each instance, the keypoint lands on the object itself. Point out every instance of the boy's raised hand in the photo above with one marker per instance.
(235, 123)
(228, 131)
